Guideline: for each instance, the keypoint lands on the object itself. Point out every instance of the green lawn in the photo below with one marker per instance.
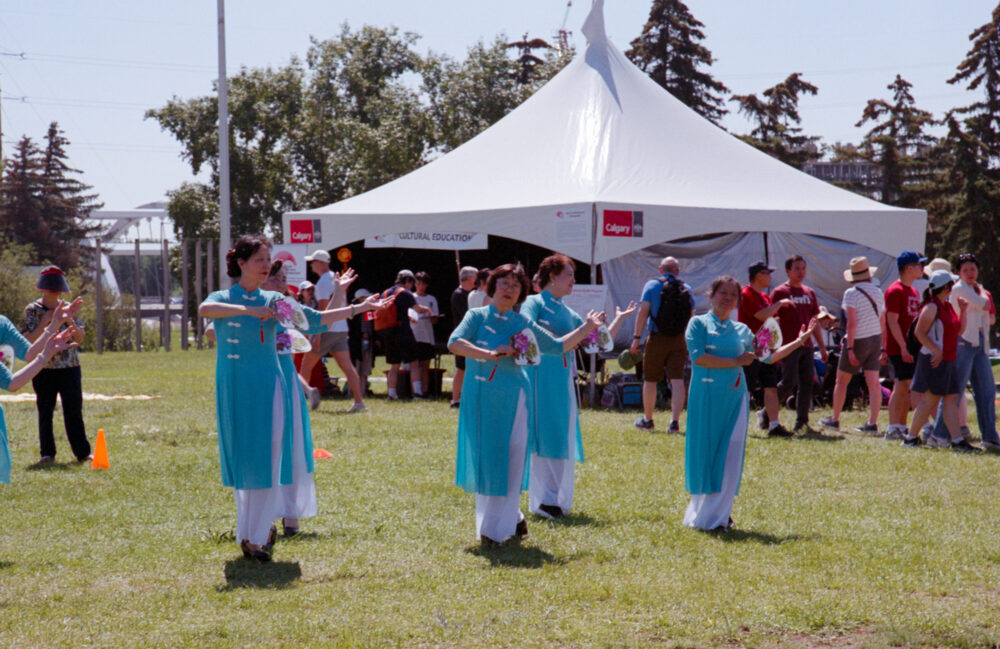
(850, 543)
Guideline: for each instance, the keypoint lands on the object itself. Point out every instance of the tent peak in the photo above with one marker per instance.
(593, 26)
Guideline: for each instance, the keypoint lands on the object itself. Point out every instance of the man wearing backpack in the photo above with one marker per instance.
(668, 304)
(398, 342)
(798, 368)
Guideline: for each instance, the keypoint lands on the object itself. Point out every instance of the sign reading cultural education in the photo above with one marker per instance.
(429, 240)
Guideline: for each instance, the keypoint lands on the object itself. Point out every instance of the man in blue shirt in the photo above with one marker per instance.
(665, 353)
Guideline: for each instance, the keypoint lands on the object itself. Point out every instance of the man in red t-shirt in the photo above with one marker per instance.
(798, 369)
(902, 304)
(755, 308)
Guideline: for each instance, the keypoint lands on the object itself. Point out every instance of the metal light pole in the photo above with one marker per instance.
(224, 235)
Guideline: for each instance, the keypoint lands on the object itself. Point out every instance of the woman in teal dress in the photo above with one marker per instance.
(554, 438)
(38, 354)
(497, 401)
(299, 497)
(715, 444)
(256, 439)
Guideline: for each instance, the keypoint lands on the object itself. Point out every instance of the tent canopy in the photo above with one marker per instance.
(601, 162)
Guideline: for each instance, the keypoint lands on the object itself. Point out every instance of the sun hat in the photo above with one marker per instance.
(859, 270)
(908, 257)
(941, 278)
(939, 264)
(52, 279)
(319, 255)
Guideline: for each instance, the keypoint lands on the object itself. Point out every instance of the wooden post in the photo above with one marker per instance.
(187, 294)
(210, 275)
(137, 295)
(166, 296)
(199, 325)
(99, 281)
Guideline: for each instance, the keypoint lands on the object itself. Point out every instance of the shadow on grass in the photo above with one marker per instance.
(734, 535)
(573, 520)
(6, 564)
(514, 555)
(244, 573)
(51, 466)
(819, 436)
(304, 536)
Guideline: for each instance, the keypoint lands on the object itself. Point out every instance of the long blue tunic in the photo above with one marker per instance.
(246, 369)
(550, 379)
(714, 400)
(9, 335)
(486, 416)
(293, 387)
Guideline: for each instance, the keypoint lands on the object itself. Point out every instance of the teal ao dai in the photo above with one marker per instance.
(549, 381)
(292, 386)
(715, 399)
(489, 398)
(9, 335)
(246, 368)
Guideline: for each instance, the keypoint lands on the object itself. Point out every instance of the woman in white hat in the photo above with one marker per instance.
(861, 348)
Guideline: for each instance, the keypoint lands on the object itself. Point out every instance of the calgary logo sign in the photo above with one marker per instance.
(622, 223)
(305, 231)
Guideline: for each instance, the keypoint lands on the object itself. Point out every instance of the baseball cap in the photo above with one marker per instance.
(362, 292)
(908, 257)
(759, 267)
(941, 278)
(304, 285)
(405, 274)
(319, 255)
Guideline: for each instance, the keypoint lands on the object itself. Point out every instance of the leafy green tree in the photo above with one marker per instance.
(468, 97)
(897, 145)
(776, 119)
(669, 50)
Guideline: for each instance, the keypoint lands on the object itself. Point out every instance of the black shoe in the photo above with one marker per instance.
(455, 404)
(675, 428)
(962, 446)
(487, 543)
(780, 431)
(914, 442)
(261, 555)
(272, 536)
(552, 510)
(521, 530)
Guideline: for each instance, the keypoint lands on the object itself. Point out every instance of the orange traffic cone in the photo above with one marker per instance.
(322, 454)
(100, 452)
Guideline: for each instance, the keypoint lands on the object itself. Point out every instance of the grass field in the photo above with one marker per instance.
(850, 543)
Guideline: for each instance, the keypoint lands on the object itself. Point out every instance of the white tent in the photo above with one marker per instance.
(602, 162)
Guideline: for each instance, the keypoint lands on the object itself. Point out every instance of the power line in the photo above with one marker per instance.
(105, 62)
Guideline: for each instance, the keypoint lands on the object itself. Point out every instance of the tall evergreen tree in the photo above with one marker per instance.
(22, 203)
(66, 201)
(776, 119)
(898, 145)
(981, 69)
(670, 52)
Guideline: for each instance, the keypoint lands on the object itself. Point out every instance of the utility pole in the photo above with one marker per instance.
(224, 236)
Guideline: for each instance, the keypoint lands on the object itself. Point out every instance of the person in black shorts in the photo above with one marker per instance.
(459, 305)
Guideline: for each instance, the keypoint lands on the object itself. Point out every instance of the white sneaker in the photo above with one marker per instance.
(894, 432)
(358, 407)
(314, 398)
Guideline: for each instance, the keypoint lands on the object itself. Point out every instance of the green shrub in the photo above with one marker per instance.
(18, 284)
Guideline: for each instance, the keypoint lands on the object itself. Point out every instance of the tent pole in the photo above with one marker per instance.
(458, 267)
(591, 384)
(767, 253)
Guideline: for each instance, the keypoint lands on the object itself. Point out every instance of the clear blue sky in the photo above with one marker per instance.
(96, 66)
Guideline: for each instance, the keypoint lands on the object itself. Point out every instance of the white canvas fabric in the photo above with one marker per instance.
(601, 135)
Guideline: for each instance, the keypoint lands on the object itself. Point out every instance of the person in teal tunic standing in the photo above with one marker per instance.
(299, 498)
(555, 442)
(38, 355)
(718, 404)
(256, 439)
(497, 401)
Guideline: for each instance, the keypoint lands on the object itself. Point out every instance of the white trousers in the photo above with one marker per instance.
(709, 511)
(497, 516)
(257, 509)
(551, 480)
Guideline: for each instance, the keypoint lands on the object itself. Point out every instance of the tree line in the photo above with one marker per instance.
(365, 107)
